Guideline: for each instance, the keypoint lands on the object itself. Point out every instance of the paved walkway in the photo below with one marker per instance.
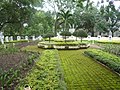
(83, 73)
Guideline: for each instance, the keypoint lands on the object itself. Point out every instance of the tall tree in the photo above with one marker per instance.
(112, 16)
(85, 17)
(88, 20)
(58, 5)
(64, 19)
(16, 11)
(42, 22)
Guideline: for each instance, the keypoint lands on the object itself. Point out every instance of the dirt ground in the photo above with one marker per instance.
(12, 60)
(15, 61)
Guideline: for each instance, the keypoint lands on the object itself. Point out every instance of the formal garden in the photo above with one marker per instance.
(59, 45)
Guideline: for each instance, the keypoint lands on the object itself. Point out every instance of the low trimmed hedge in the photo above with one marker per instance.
(17, 41)
(46, 74)
(111, 48)
(64, 45)
(57, 40)
(110, 60)
(108, 42)
(67, 43)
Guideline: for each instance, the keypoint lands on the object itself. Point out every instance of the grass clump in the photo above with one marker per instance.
(46, 74)
(8, 49)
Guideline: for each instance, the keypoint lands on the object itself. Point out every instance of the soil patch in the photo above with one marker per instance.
(24, 44)
(8, 61)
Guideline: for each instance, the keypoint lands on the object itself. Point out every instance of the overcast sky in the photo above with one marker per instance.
(116, 3)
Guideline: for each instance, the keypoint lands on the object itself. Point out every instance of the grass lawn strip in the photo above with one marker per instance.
(46, 74)
(83, 73)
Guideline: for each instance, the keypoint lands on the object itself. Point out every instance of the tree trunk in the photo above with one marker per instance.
(99, 33)
(76, 38)
(81, 39)
(65, 39)
(87, 4)
(55, 25)
(1, 26)
(92, 33)
(49, 39)
(112, 33)
(65, 25)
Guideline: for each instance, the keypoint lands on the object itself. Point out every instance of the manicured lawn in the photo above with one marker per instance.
(83, 73)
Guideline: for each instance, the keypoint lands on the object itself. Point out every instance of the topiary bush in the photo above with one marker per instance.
(80, 33)
(49, 35)
(65, 34)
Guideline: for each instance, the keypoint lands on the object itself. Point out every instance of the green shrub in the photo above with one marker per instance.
(65, 34)
(109, 60)
(49, 35)
(46, 74)
(16, 41)
(62, 43)
(8, 49)
(67, 43)
(108, 42)
(7, 77)
(111, 48)
(80, 33)
(58, 40)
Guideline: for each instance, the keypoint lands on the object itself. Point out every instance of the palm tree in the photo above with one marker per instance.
(112, 16)
(64, 19)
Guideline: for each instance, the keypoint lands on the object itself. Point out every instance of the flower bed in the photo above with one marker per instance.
(112, 61)
(46, 74)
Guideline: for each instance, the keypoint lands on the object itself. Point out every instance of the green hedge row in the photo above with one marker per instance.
(111, 48)
(75, 43)
(109, 42)
(112, 61)
(16, 41)
(46, 74)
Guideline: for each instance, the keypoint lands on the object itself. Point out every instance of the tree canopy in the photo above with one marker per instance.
(66, 14)
(80, 33)
(16, 11)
